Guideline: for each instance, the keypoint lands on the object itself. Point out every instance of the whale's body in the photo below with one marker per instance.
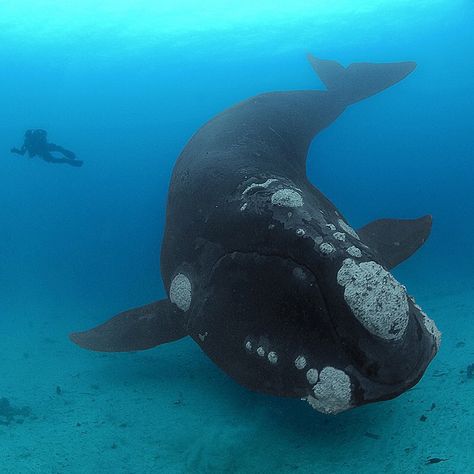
(267, 276)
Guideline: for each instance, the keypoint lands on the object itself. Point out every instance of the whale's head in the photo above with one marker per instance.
(304, 306)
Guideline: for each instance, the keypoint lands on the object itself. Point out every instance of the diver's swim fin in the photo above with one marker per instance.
(396, 239)
(134, 330)
(359, 80)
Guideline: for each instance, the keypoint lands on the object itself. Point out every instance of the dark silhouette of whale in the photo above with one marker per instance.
(267, 276)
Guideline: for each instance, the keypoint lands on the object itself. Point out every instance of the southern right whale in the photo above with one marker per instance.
(265, 273)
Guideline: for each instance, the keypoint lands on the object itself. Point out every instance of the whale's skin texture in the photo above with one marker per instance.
(266, 274)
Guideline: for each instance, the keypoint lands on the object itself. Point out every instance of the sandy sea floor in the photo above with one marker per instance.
(171, 410)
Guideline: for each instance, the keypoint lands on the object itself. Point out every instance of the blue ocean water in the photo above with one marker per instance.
(125, 85)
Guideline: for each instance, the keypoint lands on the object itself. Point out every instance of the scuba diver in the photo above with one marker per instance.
(36, 144)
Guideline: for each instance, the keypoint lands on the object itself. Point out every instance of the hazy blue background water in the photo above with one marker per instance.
(125, 84)
(126, 95)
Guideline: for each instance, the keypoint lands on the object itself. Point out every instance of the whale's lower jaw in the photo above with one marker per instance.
(371, 391)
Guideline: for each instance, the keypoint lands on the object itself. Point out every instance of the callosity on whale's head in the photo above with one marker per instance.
(265, 273)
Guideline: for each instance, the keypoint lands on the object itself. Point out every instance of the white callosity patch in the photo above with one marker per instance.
(300, 362)
(377, 300)
(354, 251)
(312, 376)
(429, 324)
(243, 206)
(180, 292)
(272, 357)
(326, 248)
(287, 198)
(340, 236)
(331, 227)
(347, 228)
(300, 232)
(332, 394)
(259, 185)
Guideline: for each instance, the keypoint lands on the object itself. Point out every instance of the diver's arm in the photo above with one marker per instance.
(20, 151)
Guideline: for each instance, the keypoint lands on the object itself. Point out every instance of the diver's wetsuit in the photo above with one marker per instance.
(36, 144)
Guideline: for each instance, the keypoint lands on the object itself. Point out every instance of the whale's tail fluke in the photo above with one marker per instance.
(359, 80)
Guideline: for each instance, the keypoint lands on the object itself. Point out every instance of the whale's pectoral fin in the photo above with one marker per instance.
(396, 239)
(359, 80)
(134, 330)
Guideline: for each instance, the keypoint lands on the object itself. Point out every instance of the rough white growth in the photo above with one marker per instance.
(300, 362)
(248, 345)
(203, 336)
(243, 206)
(300, 232)
(180, 292)
(326, 248)
(272, 357)
(261, 351)
(259, 185)
(340, 236)
(332, 394)
(331, 227)
(287, 198)
(347, 228)
(312, 376)
(377, 300)
(354, 251)
(432, 329)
